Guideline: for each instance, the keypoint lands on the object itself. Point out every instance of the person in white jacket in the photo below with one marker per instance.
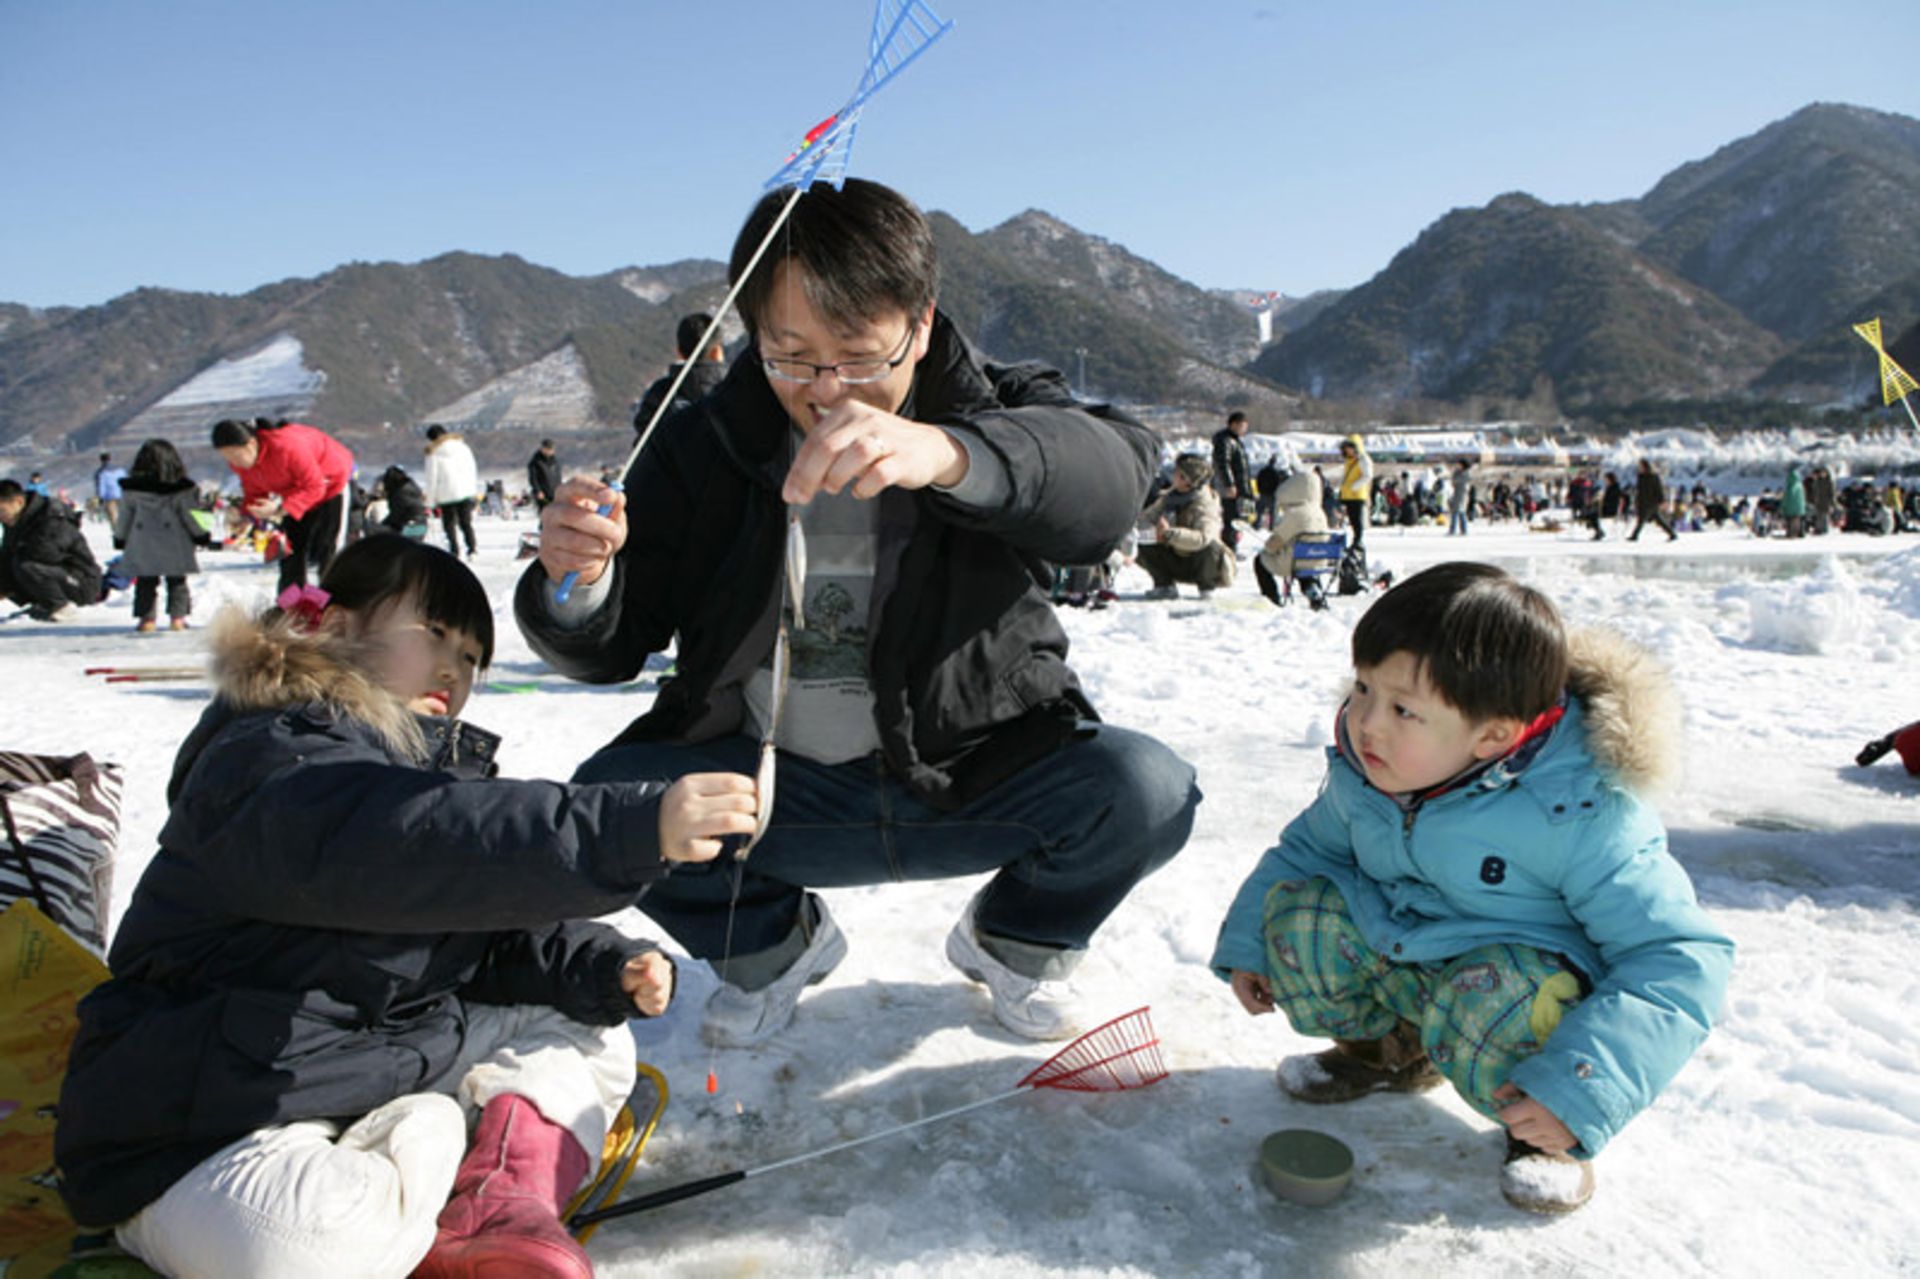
(1301, 514)
(453, 484)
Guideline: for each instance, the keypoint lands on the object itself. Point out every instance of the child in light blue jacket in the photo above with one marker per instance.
(1479, 894)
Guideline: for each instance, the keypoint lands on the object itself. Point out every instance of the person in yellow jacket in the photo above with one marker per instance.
(1356, 486)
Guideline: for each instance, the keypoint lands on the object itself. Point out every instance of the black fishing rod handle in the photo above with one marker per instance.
(658, 1199)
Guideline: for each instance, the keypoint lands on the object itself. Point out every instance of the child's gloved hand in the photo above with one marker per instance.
(1532, 1122)
(1253, 990)
(700, 809)
(648, 979)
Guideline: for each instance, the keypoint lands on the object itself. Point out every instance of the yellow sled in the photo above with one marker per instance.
(626, 1140)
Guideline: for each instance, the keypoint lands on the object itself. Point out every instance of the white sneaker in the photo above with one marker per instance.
(739, 1018)
(1030, 1007)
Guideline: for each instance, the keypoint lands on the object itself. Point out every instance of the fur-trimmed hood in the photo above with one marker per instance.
(1632, 709)
(277, 664)
(1302, 488)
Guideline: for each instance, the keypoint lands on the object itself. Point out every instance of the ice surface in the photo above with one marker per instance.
(1790, 1144)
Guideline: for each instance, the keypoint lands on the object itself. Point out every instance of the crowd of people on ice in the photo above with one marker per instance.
(1189, 531)
(301, 497)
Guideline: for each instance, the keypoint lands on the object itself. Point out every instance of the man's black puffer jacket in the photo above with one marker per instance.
(966, 658)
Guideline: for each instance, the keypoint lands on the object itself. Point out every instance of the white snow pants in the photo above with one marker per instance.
(305, 1199)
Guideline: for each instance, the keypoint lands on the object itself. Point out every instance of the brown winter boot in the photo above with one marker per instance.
(1355, 1067)
(503, 1221)
(1536, 1181)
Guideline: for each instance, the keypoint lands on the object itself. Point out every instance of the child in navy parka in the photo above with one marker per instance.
(352, 943)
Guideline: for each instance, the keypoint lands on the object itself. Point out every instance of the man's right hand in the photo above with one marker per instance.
(575, 537)
(700, 810)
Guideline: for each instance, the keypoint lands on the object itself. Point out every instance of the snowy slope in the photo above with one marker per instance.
(272, 381)
(1790, 1145)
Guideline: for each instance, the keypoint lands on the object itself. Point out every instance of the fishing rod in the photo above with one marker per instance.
(900, 33)
(1116, 1056)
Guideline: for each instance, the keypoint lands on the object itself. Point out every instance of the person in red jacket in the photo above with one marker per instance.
(297, 473)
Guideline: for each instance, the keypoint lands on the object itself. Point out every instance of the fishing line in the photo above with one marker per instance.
(792, 589)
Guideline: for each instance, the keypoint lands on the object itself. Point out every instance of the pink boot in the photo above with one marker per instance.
(503, 1221)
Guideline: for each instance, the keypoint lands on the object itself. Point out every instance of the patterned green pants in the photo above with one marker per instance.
(1478, 1014)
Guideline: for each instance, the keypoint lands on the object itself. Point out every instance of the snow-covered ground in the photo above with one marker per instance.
(1788, 1146)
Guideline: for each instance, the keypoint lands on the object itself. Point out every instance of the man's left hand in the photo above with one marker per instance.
(648, 979)
(867, 449)
(1532, 1122)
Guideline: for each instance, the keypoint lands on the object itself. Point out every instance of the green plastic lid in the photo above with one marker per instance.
(1305, 1166)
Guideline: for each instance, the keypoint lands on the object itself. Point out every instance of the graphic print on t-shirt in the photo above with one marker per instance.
(828, 712)
(832, 645)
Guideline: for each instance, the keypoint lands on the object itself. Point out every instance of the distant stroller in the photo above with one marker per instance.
(1351, 572)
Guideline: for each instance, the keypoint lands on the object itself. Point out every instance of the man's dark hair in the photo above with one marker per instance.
(1236, 416)
(863, 250)
(547, 443)
(10, 489)
(687, 334)
(1491, 646)
(229, 433)
(387, 567)
(106, 457)
(435, 431)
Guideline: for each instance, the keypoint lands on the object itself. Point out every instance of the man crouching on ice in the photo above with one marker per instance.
(1479, 893)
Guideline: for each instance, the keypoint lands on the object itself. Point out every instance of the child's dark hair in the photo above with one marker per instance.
(159, 462)
(862, 250)
(385, 567)
(1491, 646)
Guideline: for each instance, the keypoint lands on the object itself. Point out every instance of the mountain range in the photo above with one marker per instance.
(1735, 277)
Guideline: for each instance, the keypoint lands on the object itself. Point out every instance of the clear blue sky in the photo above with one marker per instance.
(1271, 144)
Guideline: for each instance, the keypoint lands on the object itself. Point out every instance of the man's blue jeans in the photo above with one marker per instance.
(1070, 836)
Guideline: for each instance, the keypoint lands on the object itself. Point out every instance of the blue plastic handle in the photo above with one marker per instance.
(565, 588)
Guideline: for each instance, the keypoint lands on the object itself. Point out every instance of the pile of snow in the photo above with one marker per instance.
(1811, 616)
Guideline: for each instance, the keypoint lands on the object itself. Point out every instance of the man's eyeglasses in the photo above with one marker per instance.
(850, 372)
